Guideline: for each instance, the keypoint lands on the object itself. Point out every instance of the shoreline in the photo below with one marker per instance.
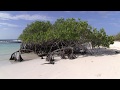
(83, 67)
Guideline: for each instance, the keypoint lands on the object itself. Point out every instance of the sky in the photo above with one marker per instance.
(12, 23)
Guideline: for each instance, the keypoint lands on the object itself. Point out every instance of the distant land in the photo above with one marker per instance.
(10, 41)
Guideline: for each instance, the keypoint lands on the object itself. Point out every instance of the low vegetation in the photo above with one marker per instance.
(44, 38)
(117, 37)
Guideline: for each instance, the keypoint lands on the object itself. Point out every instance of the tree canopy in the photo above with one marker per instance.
(65, 36)
(65, 30)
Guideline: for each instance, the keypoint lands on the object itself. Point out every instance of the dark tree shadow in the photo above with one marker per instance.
(47, 63)
(95, 52)
(103, 52)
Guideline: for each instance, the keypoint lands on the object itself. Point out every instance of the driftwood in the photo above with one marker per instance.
(70, 52)
(14, 56)
(50, 58)
(72, 56)
(116, 52)
(67, 51)
(26, 51)
(64, 49)
(42, 54)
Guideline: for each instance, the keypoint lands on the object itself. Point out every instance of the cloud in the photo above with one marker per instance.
(4, 28)
(108, 14)
(100, 12)
(7, 16)
(8, 24)
(103, 14)
(67, 11)
(91, 20)
(115, 24)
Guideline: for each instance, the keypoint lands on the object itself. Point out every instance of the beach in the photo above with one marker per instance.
(103, 66)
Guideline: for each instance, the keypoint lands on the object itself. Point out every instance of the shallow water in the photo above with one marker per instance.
(6, 49)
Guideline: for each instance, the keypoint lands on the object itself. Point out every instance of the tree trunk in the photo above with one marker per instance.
(20, 58)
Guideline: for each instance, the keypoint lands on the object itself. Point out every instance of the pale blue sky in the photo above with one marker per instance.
(12, 23)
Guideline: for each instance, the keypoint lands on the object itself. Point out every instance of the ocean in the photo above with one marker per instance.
(6, 49)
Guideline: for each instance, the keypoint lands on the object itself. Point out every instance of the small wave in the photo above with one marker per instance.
(4, 54)
(11, 41)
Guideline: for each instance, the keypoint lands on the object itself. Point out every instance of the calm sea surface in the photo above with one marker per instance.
(6, 49)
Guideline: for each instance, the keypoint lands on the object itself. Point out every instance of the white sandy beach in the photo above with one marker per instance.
(89, 67)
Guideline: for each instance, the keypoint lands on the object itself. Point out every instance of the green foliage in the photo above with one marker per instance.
(70, 29)
(117, 37)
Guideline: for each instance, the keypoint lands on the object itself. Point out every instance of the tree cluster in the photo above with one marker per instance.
(45, 37)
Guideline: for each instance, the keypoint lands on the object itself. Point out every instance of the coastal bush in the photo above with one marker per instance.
(117, 37)
(44, 36)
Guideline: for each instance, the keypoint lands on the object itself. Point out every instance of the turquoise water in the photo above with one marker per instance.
(6, 49)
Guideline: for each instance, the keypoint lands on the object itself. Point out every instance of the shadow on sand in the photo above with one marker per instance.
(26, 57)
(95, 52)
(103, 52)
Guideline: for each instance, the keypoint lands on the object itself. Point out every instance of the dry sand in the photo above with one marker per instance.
(84, 67)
